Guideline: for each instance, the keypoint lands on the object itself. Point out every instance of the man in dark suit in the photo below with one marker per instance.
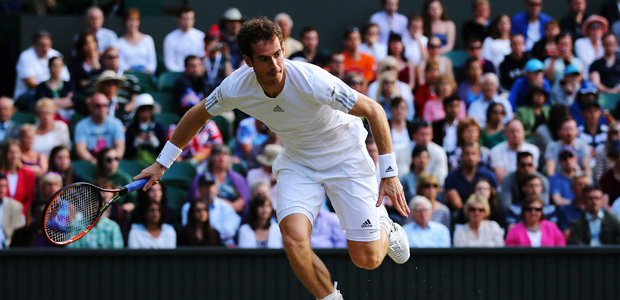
(8, 128)
(595, 226)
(444, 131)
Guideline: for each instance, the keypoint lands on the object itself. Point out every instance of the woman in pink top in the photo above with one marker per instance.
(445, 86)
(534, 231)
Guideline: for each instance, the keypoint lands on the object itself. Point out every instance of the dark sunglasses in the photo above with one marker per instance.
(531, 209)
(534, 4)
(473, 209)
(357, 82)
(474, 47)
(433, 46)
(498, 112)
(111, 159)
(429, 185)
(523, 165)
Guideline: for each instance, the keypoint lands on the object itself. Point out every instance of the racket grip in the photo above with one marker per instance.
(138, 184)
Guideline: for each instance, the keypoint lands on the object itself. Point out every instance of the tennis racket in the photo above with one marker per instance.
(76, 208)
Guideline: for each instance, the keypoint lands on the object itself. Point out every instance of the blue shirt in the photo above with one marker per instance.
(457, 181)
(520, 23)
(519, 91)
(567, 214)
(560, 184)
(99, 136)
(575, 112)
(595, 227)
(435, 235)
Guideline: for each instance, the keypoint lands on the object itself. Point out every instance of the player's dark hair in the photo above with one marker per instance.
(257, 30)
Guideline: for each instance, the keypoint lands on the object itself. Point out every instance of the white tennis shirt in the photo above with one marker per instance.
(310, 114)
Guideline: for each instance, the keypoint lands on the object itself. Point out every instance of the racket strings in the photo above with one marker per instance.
(72, 212)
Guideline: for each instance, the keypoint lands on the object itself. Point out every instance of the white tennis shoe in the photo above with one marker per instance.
(398, 249)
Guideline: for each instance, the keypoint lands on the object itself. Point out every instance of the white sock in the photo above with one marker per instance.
(333, 296)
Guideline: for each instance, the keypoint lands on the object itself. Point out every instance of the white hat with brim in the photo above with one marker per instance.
(232, 14)
(269, 155)
(144, 100)
(108, 76)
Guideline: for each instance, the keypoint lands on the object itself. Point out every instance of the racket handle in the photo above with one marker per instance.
(138, 184)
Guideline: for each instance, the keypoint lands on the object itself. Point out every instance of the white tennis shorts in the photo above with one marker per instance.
(350, 185)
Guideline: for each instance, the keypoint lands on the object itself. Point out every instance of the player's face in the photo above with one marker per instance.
(267, 61)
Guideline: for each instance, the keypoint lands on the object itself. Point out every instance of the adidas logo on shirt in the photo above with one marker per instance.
(367, 224)
(278, 109)
(389, 169)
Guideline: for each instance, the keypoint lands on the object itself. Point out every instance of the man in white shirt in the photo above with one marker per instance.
(106, 38)
(389, 20)
(422, 232)
(438, 159)
(504, 154)
(183, 42)
(32, 65)
(315, 114)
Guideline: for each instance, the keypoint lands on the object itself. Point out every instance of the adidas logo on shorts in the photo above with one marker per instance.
(389, 169)
(278, 109)
(366, 224)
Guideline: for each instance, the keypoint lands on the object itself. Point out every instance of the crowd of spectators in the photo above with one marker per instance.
(507, 147)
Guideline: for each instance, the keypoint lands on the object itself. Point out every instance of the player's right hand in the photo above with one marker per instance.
(153, 173)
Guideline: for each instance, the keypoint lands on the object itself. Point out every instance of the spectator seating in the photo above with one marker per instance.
(145, 81)
(224, 126)
(165, 100)
(131, 167)
(23, 117)
(608, 101)
(179, 175)
(458, 57)
(86, 169)
(166, 81)
(167, 118)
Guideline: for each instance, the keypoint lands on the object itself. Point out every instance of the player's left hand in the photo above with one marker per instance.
(391, 187)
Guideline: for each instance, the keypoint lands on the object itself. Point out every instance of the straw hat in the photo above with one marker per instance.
(269, 154)
(108, 75)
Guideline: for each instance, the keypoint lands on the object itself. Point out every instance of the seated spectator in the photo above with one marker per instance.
(230, 23)
(60, 91)
(354, 60)
(371, 44)
(493, 133)
(145, 136)
(32, 65)
(110, 61)
(106, 234)
(86, 61)
(217, 63)
(556, 63)
(428, 186)
(445, 86)
(60, 162)
(445, 130)
(387, 90)
(152, 233)
(569, 213)
(11, 214)
(110, 85)
(608, 181)
(511, 192)
(8, 128)
(548, 132)
(605, 72)
(414, 40)
(355, 81)
(190, 88)
(198, 231)
(419, 161)
(326, 231)
(535, 112)
(587, 96)
(49, 133)
(183, 42)
(468, 132)
(484, 187)
(390, 64)
(521, 87)
(573, 21)
(560, 183)
(470, 87)
(32, 235)
(568, 138)
(107, 167)
(459, 180)
(426, 92)
(98, 131)
(592, 131)
(290, 44)
(474, 50)
(564, 91)
(199, 148)
(546, 47)
(589, 48)
(405, 67)
(260, 231)
(389, 20)
(603, 162)
(532, 187)
(534, 230)
(497, 45)
(532, 16)
(21, 179)
(479, 25)
(35, 161)
(310, 52)
(513, 65)
(158, 193)
(478, 232)
(231, 185)
(265, 173)
(136, 49)
(252, 161)
(438, 160)
(423, 232)
(596, 226)
(444, 64)
(94, 25)
(251, 133)
(402, 135)
(489, 85)
(336, 67)
(504, 155)
(436, 23)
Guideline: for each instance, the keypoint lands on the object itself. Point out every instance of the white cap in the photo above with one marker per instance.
(232, 14)
(144, 100)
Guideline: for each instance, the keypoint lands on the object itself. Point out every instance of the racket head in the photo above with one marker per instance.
(72, 212)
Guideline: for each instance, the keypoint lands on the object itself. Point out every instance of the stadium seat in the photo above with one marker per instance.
(241, 169)
(458, 57)
(165, 100)
(25, 102)
(22, 117)
(224, 127)
(161, 66)
(608, 101)
(167, 118)
(86, 169)
(180, 169)
(145, 81)
(166, 81)
(131, 167)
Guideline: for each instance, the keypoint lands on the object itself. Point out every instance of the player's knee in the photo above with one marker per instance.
(294, 240)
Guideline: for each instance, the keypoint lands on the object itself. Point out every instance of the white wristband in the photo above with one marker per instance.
(168, 155)
(387, 165)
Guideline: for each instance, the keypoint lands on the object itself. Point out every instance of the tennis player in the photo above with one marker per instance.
(316, 115)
